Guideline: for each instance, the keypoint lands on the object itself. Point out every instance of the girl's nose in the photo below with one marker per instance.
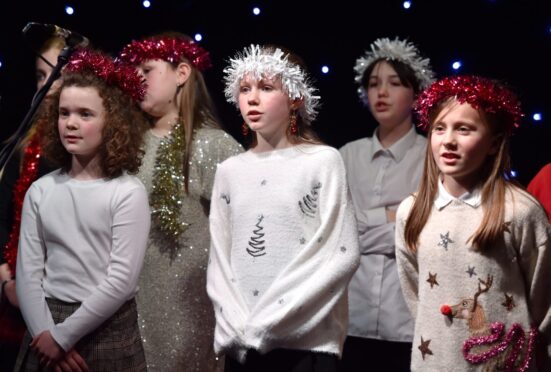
(253, 96)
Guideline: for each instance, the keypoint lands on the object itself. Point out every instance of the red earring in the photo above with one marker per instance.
(293, 123)
(245, 129)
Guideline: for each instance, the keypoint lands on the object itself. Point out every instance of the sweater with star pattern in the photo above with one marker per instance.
(441, 279)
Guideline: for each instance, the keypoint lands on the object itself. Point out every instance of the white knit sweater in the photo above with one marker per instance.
(284, 247)
(510, 282)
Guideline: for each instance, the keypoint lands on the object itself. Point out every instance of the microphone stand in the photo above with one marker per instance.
(7, 152)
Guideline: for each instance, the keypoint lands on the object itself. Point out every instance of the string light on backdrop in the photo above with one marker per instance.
(146, 3)
(69, 10)
(256, 10)
(198, 37)
(325, 69)
(513, 173)
(537, 116)
(457, 65)
(406, 4)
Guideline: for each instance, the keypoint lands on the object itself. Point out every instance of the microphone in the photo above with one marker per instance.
(72, 39)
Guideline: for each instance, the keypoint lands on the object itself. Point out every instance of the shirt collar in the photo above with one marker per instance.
(444, 198)
(398, 149)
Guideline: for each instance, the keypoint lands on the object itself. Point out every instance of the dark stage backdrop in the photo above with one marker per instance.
(504, 39)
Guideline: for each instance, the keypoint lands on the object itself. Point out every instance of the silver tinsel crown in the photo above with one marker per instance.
(257, 63)
(396, 50)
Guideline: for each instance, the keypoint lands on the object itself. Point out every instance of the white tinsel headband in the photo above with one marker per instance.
(257, 63)
(395, 50)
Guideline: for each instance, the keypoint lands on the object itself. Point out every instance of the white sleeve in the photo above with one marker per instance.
(130, 229)
(309, 288)
(408, 269)
(31, 258)
(229, 305)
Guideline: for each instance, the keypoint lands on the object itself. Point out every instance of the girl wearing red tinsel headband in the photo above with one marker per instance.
(182, 150)
(26, 165)
(473, 248)
(84, 226)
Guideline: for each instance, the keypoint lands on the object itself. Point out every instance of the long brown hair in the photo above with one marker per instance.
(493, 182)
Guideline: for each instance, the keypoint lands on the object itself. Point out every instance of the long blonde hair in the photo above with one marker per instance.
(493, 183)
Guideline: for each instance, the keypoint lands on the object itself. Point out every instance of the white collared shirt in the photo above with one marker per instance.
(444, 198)
(380, 178)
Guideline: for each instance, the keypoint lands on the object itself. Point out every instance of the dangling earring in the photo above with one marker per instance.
(293, 123)
(245, 129)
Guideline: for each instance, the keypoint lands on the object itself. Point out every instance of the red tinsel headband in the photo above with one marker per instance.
(101, 65)
(481, 93)
(168, 49)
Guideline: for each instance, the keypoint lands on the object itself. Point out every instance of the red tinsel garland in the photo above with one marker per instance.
(29, 173)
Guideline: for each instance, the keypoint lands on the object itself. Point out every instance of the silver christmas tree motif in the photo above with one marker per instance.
(309, 203)
(256, 245)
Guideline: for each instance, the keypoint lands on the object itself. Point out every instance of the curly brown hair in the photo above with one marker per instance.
(125, 124)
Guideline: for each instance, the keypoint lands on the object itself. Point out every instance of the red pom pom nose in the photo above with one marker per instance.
(446, 310)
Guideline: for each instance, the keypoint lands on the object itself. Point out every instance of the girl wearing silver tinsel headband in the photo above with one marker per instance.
(382, 170)
(283, 233)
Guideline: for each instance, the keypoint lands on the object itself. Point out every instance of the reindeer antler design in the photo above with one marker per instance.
(488, 284)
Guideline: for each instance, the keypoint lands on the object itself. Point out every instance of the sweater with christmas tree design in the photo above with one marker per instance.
(478, 310)
(284, 246)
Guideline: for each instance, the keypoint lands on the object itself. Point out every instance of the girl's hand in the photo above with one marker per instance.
(5, 272)
(9, 292)
(72, 362)
(47, 349)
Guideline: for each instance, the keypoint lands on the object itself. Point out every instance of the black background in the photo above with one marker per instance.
(504, 39)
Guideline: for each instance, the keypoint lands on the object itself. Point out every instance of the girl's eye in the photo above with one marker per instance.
(464, 130)
(63, 113)
(372, 84)
(267, 88)
(438, 128)
(244, 89)
(86, 114)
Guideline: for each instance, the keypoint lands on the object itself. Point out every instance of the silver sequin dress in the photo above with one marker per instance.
(175, 314)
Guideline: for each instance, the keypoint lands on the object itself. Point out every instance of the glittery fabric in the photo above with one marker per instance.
(175, 314)
(29, 173)
(512, 345)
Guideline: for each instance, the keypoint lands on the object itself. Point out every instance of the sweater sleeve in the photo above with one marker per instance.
(408, 269)
(30, 267)
(535, 260)
(130, 229)
(311, 286)
(229, 305)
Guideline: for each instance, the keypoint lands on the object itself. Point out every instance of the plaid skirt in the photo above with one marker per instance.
(115, 345)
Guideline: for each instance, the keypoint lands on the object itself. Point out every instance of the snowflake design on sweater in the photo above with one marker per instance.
(309, 203)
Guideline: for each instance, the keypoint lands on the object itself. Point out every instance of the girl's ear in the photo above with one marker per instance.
(183, 71)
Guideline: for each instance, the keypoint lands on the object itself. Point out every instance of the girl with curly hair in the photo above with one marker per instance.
(84, 226)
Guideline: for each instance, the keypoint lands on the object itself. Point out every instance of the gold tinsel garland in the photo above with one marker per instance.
(168, 185)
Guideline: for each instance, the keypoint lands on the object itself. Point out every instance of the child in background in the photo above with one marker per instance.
(84, 227)
(182, 149)
(473, 248)
(284, 242)
(383, 170)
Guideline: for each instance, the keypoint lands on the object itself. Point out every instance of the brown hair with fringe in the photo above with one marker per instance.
(493, 185)
(125, 124)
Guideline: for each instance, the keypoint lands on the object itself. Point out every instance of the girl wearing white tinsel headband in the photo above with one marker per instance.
(283, 233)
(382, 170)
